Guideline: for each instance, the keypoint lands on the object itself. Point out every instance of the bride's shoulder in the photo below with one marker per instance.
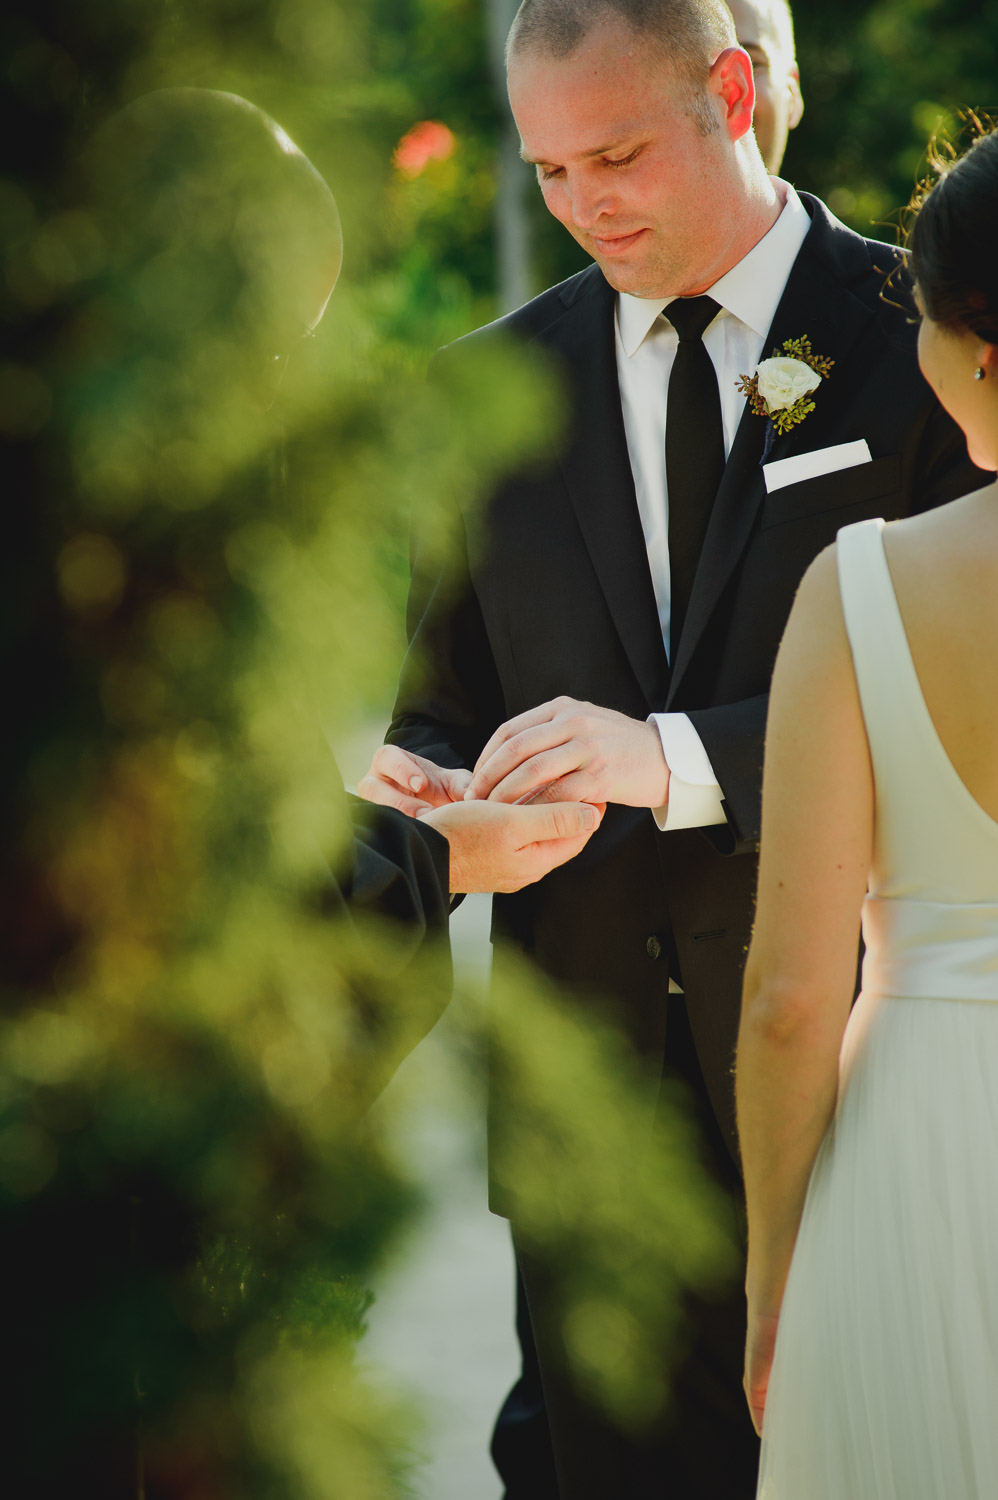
(971, 520)
(977, 510)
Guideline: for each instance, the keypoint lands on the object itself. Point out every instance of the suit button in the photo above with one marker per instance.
(653, 947)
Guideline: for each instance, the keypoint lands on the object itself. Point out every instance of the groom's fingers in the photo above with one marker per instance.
(544, 713)
(537, 773)
(526, 762)
(575, 786)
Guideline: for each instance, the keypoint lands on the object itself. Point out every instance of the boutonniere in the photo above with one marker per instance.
(782, 387)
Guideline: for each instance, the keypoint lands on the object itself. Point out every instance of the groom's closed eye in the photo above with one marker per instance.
(547, 173)
(546, 170)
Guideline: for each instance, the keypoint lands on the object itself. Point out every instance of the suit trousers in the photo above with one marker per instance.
(704, 1447)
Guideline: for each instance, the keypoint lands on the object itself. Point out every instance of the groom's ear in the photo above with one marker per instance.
(732, 81)
(796, 97)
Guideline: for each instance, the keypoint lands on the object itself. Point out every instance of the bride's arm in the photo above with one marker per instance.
(817, 829)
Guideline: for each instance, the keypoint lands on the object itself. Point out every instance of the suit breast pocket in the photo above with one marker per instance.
(846, 490)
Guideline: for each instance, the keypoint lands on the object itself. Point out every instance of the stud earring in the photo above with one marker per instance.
(979, 373)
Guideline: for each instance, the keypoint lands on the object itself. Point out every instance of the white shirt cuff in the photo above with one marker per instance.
(694, 795)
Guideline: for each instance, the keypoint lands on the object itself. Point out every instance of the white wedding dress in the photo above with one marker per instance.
(885, 1378)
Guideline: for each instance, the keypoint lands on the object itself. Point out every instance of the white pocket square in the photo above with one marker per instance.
(810, 465)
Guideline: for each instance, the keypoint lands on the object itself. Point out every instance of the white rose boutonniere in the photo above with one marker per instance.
(782, 387)
(782, 382)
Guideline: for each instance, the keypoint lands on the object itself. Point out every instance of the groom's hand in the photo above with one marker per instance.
(497, 848)
(410, 783)
(571, 751)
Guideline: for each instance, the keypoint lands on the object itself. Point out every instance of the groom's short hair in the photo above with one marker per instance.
(690, 33)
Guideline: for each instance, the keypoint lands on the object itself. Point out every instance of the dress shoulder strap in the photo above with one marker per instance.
(897, 723)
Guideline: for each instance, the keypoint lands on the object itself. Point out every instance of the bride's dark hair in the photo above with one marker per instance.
(953, 239)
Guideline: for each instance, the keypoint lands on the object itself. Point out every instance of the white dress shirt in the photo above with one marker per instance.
(646, 345)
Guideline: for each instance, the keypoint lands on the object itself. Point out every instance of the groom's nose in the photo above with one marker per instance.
(590, 201)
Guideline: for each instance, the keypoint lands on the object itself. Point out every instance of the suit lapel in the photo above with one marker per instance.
(597, 472)
(816, 302)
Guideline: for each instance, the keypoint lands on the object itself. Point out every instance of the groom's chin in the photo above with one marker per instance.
(635, 280)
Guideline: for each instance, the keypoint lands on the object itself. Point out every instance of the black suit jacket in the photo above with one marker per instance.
(388, 893)
(551, 594)
(398, 869)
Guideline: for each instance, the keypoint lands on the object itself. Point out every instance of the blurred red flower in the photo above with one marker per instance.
(428, 141)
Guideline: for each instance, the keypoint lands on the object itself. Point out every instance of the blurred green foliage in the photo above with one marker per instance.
(198, 590)
(879, 79)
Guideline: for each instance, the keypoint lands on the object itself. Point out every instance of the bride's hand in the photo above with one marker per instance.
(410, 783)
(758, 1362)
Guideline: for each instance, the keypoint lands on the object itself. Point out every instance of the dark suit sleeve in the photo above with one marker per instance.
(733, 735)
(397, 868)
(389, 867)
(387, 894)
(449, 699)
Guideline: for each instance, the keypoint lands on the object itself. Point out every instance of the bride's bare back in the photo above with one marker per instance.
(944, 566)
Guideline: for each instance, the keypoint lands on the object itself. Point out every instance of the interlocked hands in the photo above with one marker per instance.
(566, 758)
(493, 847)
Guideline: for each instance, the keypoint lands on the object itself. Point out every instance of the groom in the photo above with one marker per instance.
(609, 631)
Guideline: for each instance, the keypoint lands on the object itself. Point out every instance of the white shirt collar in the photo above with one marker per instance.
(751, 290)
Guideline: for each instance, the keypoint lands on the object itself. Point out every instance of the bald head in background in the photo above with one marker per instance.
(765, 29)
(219, 225)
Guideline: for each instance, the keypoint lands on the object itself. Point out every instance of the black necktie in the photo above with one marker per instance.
(694, 449)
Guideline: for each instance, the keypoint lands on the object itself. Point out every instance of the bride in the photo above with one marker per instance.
(870, 1139)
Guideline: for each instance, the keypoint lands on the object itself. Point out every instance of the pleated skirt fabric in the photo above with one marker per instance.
(885, 1377)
